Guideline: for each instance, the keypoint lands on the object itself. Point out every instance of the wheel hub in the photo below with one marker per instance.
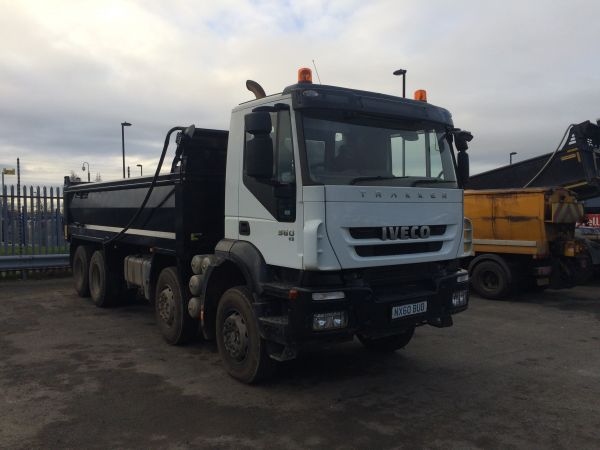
(490, 281)
(235, 336)
(166, 305)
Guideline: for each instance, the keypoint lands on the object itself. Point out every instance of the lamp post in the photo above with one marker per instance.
(83, 168)
(511, 155)
(123, 125)
(403, 73)
(141, 171)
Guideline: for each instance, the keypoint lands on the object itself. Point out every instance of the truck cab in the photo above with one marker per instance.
(343, 217)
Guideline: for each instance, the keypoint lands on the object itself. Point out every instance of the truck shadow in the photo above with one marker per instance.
(584, 299)
(340, 362)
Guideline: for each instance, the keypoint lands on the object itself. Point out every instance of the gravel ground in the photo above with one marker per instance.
(524, 374)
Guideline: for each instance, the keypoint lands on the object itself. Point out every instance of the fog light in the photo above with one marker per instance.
(462, 277)
(459, 298)
(330, 320)
(338, 295)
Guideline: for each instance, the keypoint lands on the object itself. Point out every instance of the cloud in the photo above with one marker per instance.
(514, 73)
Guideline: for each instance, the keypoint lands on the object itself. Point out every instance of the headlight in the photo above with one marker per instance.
(330, 320)
(462, 276)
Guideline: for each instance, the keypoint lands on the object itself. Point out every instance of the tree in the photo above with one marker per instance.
(73, 176)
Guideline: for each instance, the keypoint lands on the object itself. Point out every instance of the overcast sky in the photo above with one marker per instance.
(515, 73)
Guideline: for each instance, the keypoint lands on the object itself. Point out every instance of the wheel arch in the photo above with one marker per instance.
(160, 262)
(75, 243)
(234, 263)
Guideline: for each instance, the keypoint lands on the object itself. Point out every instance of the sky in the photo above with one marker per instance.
(514, 73)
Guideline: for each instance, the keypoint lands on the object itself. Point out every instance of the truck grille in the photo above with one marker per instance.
(403, 280)
(376, 232)
(398, 249)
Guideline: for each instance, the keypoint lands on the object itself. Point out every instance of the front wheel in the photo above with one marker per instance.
(243, 351)
(388, 343)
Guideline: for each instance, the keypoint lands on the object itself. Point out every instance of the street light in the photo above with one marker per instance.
(123, 125)
(403, 73)
(83, 168)
(141, 172)
(511, 155)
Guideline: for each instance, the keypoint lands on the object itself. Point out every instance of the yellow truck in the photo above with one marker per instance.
(523, 239)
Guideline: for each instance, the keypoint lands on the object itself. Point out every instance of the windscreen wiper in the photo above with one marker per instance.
(375, 178)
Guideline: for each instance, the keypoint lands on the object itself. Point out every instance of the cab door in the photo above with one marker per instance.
(270, 214)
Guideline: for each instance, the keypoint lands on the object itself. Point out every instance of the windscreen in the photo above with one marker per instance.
(347, 148)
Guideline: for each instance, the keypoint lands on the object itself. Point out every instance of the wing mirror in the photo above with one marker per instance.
(259, 149)
(461, 142)
(462, 139)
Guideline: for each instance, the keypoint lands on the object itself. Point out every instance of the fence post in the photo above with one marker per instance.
(45, 219)
(25, 220)
(32, 219)
(5, 219)
(58, 222)
(51, 218)
(38, 216)
(19, 212)
(60, 203)
(12, 219)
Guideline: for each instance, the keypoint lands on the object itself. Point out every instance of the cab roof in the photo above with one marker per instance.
(308, 95)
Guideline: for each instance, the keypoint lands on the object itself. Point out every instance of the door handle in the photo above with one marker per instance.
(244, 228)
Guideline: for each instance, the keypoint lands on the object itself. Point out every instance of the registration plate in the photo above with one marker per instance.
(409, 310)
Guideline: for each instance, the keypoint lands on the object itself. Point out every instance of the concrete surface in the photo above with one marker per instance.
(521, 374)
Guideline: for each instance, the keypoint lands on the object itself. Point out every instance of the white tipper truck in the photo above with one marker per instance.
(324, 213)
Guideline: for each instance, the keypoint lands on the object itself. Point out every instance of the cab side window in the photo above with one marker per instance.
(277, 194)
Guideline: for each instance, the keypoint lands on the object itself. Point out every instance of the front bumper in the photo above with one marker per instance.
(367, 310)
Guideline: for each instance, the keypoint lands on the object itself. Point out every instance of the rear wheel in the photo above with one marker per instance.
(170, 305)
(388, 343)
(243, 351)
(81, 267)
(103, 281)
(490, 280)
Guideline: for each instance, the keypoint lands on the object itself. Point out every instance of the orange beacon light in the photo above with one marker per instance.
(304, 75)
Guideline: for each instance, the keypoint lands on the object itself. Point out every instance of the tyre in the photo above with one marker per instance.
(170, 306)
(490, 280)
(81, 267)
(243, 351)
(103, 281)
(387, 343)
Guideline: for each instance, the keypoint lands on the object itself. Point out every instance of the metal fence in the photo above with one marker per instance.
(31, 228)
